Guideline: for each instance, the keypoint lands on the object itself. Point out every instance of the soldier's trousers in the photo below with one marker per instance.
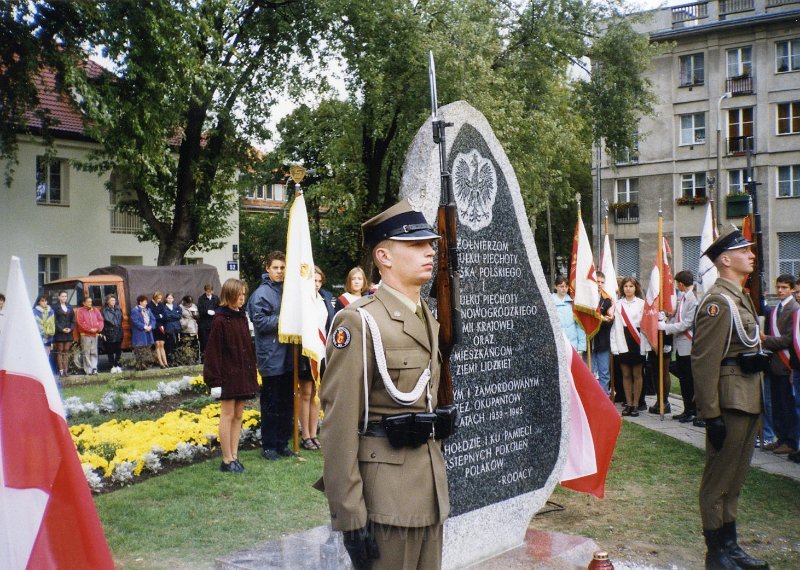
(404, 548)
(725, 470)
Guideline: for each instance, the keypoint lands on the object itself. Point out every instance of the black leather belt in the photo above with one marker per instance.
(730, 361)
(375, 429)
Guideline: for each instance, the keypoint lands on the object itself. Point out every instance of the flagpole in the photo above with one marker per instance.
(296, 379)
(610, 354)
(588, 341)
(660, 258)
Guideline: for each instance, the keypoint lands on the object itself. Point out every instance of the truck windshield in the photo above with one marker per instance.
(98, 293)
(74, 291)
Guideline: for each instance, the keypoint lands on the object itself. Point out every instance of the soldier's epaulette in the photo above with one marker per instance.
(362, 302)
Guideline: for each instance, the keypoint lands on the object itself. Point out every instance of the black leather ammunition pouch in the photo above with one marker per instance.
(447, 421)
(752, 362)
(403, 430)
(413, 430)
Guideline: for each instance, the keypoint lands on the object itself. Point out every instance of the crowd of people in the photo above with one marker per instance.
(160, 330)
(634, 360)
(739, 377)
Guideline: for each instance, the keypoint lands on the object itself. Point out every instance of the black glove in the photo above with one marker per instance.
(361, 547)
(715, 430)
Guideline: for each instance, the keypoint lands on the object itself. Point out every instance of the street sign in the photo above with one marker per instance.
(233, 266)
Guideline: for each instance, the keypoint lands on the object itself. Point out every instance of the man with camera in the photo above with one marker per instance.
(384, 474)
(727, 362)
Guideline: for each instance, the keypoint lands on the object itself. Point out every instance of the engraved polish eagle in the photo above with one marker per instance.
(475, 184)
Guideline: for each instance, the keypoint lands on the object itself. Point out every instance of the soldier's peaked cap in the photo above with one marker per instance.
(730, 239)
(401, 222)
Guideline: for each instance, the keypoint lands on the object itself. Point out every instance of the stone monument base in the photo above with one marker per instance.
(321, 549)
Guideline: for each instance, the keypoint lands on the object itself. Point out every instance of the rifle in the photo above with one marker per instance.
(446, 286)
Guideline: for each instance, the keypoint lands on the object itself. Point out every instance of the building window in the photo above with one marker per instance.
(692, 69)
(740, 62)
(787, 56)
(276, 192)
(693, 185)
(691, 254)
(693, 128)
(627, 190)
(629, 155)
(789, 118)
(789, 181)
(737, 181)
(256, 192)
(51, 267)
(51, 180)
(740, 130)
(628, 257)
(789, 253)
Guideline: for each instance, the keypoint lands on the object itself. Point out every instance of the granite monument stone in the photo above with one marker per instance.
(509, 372)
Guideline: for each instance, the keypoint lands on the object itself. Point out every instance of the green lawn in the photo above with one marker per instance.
(186, 518)
(651, 500)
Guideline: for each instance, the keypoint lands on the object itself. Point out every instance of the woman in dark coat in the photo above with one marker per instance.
(112, 331)
(156, 307)
(63, 337)
(143, 321)
(171, 318)
(229, 369)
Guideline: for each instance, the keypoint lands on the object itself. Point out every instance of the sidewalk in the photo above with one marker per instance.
(765, 460)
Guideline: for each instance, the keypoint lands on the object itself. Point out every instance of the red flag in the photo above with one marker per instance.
(663, 274)
(594, 429)
(750, 283)
(583, 282)
(48, 518)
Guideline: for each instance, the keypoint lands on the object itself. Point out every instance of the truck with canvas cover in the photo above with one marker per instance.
(127, 282)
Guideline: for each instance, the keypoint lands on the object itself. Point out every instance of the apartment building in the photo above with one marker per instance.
(728, 81)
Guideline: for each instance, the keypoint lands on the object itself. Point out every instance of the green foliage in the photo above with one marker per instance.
(514, 62)
(193, 86)
(619, 93)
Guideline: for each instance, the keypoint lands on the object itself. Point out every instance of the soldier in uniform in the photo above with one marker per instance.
(383, 365)
(726, 365)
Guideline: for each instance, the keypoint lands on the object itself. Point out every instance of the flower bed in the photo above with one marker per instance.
(113, 400)
(119, 451)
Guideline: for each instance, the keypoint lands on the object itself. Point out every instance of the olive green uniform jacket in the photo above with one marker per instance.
(365, 478)
(723, 387)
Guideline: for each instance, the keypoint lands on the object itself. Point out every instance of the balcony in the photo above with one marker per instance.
(774, 3)
(626, 213)
(741, 85)
(738, 146)
(734, 6)
(123, 223)
(737, 205)
(688, 14)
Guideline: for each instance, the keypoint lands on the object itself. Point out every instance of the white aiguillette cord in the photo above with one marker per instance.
(737, 321)
(402, 398)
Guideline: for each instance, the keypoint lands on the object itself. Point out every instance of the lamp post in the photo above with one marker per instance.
(725, 95)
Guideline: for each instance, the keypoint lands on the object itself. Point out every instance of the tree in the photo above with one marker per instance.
(514, 62)
(190, 93)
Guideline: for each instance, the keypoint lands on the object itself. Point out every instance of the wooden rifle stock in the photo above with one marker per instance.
(447, 298)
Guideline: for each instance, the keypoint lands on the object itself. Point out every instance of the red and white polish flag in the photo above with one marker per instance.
(48, 518)
(594, 429)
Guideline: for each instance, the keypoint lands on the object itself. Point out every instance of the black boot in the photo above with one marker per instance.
(730, 544)
(717, 557)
